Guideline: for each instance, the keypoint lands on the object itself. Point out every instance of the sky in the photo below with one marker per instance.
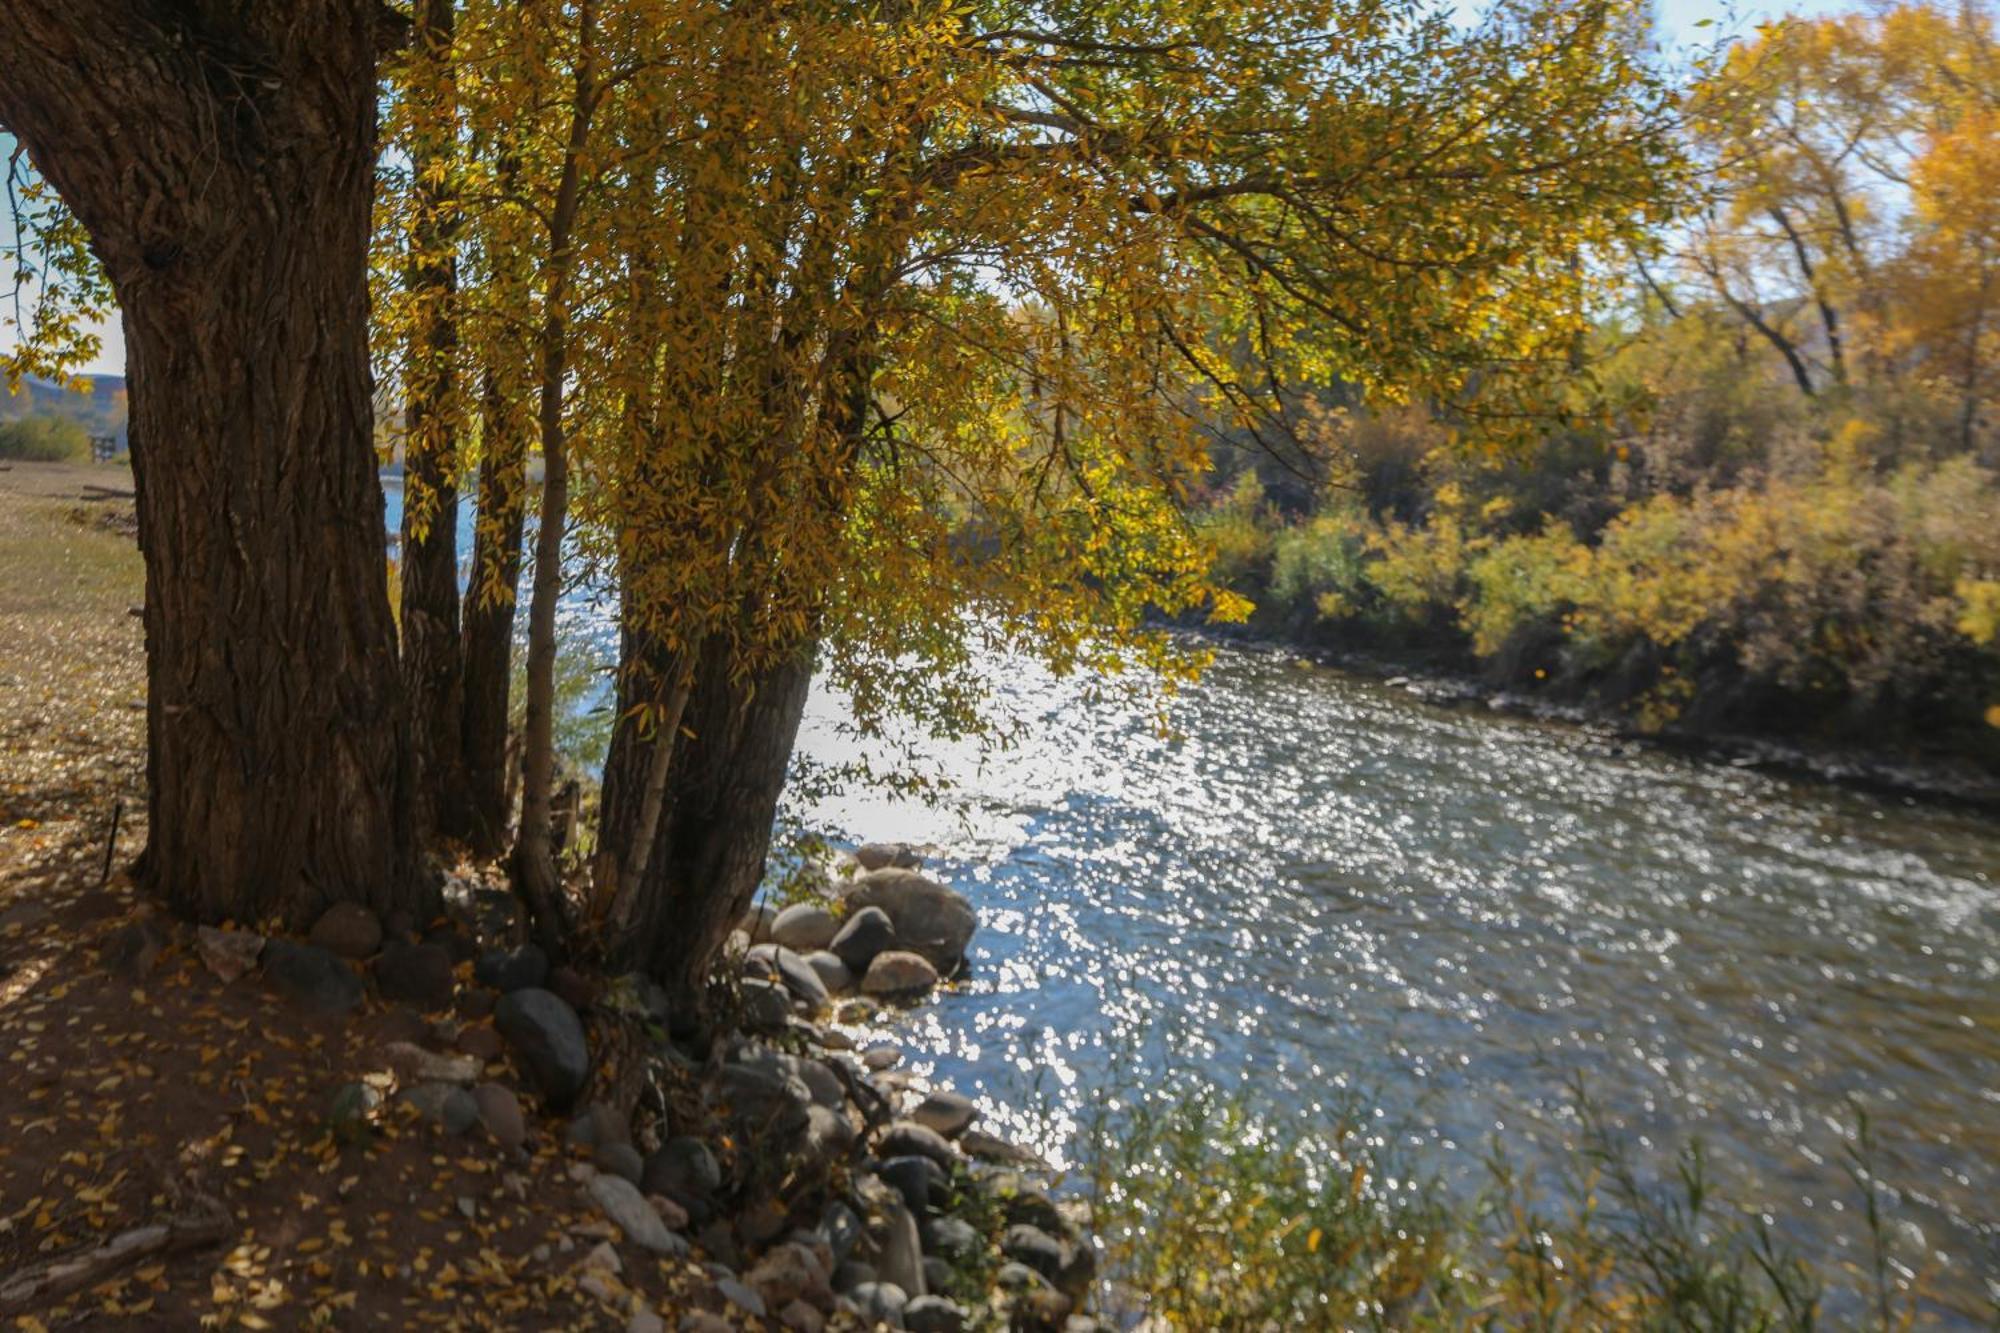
(1679, 20)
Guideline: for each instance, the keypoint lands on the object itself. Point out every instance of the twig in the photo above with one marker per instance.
(34, 1287)
(111, 843)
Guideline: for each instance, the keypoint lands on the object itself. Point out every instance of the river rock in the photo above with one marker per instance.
(347, 929)
(952, 1239)
(761, 1100)
(446, 1105)
(509, 970)
(839, 1230)
(906, 1138)
(415, 974)
(349, 1110)
(547, 1038)
(867, 933)
(414, 1064)
(880, 1302)
(804, 927)
(595, 1126)
(879, 1058)
(682, 1168)
(898, 973)
(897, 1253)
(829, 1135)
(1030, 1245)
(619, 1199)
(933, 1314)
(833, 974)
(766, 1005)
(775, 962)
(929, 918)
(311, 978)
(480, 1041)
(740, 1296)
(922, 1182)
(946, 1112)
(227, 953)
(788, 1273)
(888, 855)
(621, 1160)
(800, 1317)
(500, 1113)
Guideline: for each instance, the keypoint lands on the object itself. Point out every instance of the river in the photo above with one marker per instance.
(1323, 891)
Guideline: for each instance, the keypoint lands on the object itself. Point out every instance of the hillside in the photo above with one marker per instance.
(101, 411)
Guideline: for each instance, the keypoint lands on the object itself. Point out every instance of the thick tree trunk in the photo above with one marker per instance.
(726, 775)
(432, 663)
(224, 171)
(489, 617)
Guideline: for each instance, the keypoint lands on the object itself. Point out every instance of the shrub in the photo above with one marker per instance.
(44, 440)
(1320, 564)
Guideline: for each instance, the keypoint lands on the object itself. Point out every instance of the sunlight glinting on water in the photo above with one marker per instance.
(1319, 886)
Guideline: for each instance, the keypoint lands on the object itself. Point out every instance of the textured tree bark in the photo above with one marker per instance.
(724, 780)
(433, 668)
(489, 617)
(221, 159)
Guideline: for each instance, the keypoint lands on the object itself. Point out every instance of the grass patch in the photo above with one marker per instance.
(1216, 1218)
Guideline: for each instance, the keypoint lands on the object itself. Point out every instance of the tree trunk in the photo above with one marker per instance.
(224, 171)
(535, 873)
(489, 618)
(433, 672)
(726, 775)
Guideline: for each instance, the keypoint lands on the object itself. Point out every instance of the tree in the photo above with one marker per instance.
(433, 656)
(220, 160)
(899, 313)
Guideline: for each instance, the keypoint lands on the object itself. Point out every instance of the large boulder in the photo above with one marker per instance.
(547, 1037)
(929, 918)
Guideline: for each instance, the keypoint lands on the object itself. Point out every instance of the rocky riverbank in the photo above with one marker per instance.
(780, 1174)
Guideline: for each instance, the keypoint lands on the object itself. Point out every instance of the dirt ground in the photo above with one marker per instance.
(137, 1089)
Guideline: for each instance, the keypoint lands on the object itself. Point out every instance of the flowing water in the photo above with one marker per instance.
(1318, 889)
